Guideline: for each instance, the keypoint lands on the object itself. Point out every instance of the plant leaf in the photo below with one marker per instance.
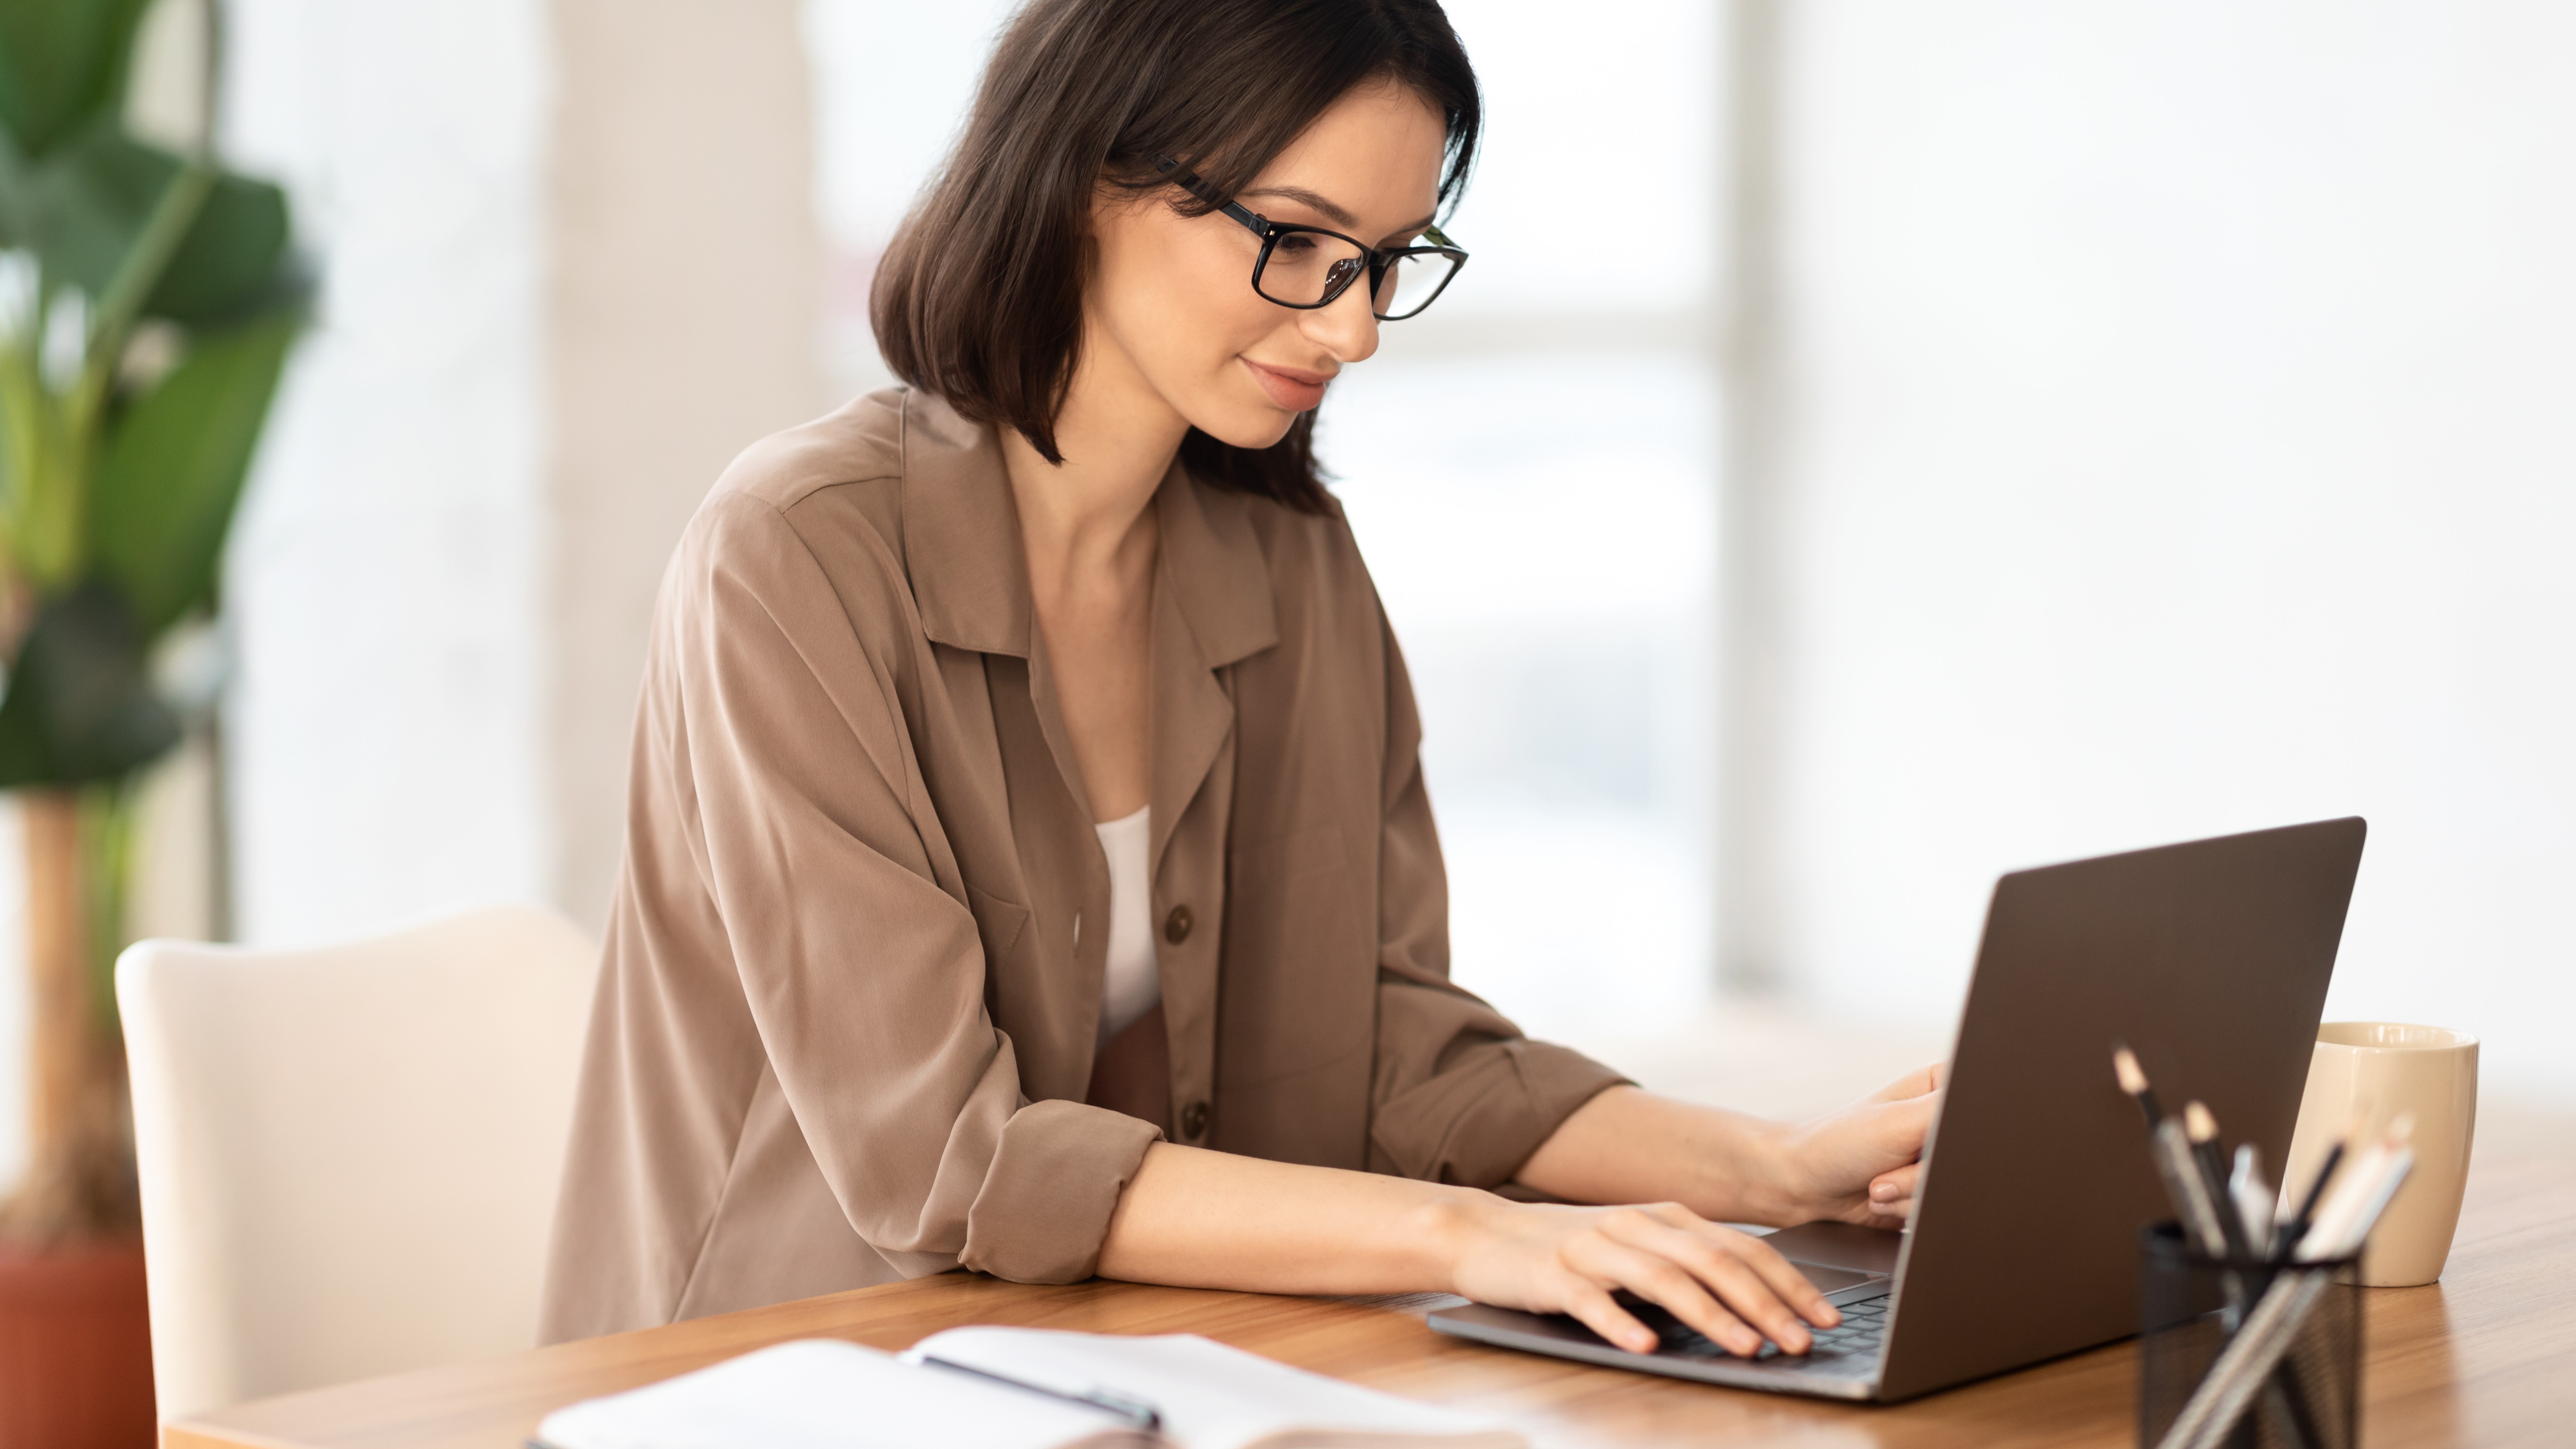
(62, 64)
(173, 466)
(80, 706)
(89, 203)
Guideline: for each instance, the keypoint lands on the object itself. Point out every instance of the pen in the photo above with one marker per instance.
(1134, 1410)
(2253, 1198)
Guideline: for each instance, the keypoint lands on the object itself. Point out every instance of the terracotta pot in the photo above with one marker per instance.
(75, 1348)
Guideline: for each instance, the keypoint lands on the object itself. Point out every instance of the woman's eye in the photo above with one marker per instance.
(1296, 243)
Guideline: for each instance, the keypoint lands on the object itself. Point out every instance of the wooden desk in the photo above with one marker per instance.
(2487, 1357)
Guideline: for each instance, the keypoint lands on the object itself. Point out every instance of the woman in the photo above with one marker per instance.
(1029, 867)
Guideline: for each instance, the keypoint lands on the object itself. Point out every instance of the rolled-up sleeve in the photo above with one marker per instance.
(856, 950)
(1458, 1094)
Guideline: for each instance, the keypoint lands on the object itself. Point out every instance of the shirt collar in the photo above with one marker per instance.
(962, 546)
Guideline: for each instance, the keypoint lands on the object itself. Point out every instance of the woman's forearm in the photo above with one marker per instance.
(1627, 1145)
(1858, 1165)
(1204, 1219)
(1196, 1218)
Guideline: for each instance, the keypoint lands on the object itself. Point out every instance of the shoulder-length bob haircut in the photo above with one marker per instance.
(979, 297)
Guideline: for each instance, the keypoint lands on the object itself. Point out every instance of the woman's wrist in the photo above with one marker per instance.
(1449, 1228)
(1735, 1167)
(1755, 1176)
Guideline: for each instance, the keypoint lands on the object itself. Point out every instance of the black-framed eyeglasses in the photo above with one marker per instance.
(1308, 266)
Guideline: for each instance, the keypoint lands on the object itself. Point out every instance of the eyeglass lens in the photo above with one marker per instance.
(1307, 267)
(1411, 282)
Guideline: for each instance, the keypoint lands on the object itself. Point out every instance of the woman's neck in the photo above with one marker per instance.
(1087, 523)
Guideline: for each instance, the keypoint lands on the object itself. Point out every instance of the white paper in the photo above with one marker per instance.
(826, 1394)
(1212, 1396)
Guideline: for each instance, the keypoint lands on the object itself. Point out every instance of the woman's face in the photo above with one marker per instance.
(1171, 306)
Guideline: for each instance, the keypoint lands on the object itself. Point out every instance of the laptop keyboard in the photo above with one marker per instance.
(1863, 1328)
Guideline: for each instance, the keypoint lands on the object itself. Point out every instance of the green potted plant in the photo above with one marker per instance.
(148, 300)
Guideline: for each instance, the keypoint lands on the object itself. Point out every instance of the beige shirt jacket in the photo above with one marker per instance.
(847, 1009)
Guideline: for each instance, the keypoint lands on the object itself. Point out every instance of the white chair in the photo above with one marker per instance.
(349, 1154)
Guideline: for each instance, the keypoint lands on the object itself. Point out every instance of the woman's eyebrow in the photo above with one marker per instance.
(1332, 213)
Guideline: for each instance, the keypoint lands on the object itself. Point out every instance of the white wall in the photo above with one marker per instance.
(1531, 468)
(891, 84)
(2182, 438)
(681, 324)
(384, 582)
(571, 269)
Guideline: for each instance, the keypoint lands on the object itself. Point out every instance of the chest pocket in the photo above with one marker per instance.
(1299, 989)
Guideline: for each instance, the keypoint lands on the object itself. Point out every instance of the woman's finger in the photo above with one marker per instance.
(1606, 1260)
(1594, 1308)
(1750, 1254)
(1777, 1273)
(1890, 1188)
(1655, 1277)
(1747, 1276)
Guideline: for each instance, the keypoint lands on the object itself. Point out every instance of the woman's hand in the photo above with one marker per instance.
(1861, 1164)
(1729, 1285)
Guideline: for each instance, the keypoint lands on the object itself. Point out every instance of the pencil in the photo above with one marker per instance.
(2133, 1080)
(2201, 1126)
(2201, 1220)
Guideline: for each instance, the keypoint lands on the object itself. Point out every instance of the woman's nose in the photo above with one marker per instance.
(1346, 326)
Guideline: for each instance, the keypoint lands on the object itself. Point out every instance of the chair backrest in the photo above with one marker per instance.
(349, 1154)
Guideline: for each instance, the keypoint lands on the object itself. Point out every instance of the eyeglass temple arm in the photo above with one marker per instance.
(1188, 181)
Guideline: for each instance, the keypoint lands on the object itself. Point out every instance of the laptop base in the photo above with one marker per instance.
(1827, 1373)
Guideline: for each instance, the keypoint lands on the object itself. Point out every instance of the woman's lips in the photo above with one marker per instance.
(1292, 388)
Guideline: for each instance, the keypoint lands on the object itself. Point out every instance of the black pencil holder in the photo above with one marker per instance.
(2191, 1306)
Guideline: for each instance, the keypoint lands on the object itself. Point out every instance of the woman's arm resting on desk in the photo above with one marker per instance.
(1214, 1220)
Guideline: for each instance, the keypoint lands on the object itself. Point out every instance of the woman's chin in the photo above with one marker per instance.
(1254, 428)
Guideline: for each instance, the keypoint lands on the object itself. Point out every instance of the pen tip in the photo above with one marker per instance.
(2400, 1128)
(2124, 1062)
(2200, 1123)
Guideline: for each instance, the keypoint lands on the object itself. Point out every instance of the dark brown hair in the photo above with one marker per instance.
(979, 298)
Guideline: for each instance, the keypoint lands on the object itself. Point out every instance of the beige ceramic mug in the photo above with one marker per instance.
(2383, 1068)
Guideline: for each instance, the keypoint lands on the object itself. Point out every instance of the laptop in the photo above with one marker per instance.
(2209, 959)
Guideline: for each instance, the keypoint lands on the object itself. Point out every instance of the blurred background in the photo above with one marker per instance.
(1878, 444)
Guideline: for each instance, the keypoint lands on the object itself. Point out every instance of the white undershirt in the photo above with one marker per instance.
(1133, 986)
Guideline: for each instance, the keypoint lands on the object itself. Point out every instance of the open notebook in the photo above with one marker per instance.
(826, 1394)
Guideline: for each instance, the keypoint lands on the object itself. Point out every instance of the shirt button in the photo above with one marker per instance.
(1176, 927)
(1194, 1119)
